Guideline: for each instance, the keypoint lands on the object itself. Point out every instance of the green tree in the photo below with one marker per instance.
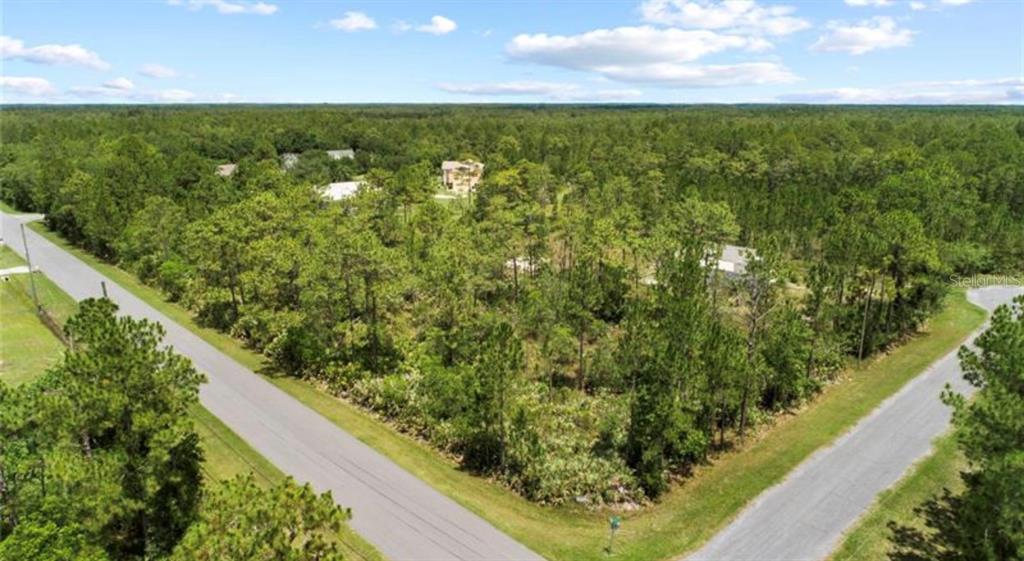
(104, 442)
(986, 521)
(244, 522)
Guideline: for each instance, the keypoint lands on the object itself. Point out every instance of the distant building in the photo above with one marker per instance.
(733, 261)
(346, 154)
(461, 177)
(289, 159)
(341, 190)
(226, 170)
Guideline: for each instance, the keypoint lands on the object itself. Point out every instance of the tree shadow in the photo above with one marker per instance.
(936, 540)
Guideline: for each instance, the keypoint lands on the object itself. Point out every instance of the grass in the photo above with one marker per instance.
(27, 347)
(8, 208)
(685, 517)
(869, 540)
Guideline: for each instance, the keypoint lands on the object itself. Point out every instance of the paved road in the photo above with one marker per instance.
(405, 518)
(804, 517)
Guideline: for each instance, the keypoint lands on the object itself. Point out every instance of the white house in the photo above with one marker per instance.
(346, 153)
(341, 190)
(461, 177)
(289, 159)
(733, 261)
(226, 170)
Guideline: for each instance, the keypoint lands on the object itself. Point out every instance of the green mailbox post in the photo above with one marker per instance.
(613, 523)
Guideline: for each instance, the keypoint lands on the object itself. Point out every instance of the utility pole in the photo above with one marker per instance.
(31, 272)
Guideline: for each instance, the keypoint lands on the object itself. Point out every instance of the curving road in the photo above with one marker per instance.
(402, 516)
(803, 518)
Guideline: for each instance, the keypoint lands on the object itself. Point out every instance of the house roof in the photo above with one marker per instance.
(450, 165)
(341, 189)
(341, 153)
(734, 258)
(226, 170)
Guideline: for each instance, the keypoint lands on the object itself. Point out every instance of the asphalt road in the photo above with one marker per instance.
(405, 518)
(804, 517)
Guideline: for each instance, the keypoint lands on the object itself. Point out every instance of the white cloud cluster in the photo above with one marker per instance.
(27, 85)
(360, 21)
(555, 91)
(995, 91)
(740, 16)
(354, 21)
(918, 5)
(880, 32)
(153, 70)
(876, 3)
(122, 83)
(123, 88)
(650, 55)
(439, 25)
(11, 48)
(229, 7)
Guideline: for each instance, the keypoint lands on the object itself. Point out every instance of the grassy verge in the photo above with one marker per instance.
(8, 208)
(27, 347)
(869, 540)
(688, 515)
(227, 455)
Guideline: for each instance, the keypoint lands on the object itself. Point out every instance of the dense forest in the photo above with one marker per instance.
(563, 330)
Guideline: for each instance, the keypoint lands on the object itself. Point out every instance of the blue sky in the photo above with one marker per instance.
(663, 51)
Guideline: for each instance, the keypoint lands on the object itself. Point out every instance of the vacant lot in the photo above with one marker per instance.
(688, 515)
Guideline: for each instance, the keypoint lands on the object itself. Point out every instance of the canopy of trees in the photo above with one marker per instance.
(99, 461)
(561, 330)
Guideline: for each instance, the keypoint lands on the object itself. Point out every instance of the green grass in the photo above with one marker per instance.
(869, 540)
(8, 208)
(685, 517)
(8, 258)
(27, 347)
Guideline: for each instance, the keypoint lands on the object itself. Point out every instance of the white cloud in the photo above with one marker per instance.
(876, 3)
(27, 85)
(509, 88)
(918, 6)
(955, 2)
(439, 25)
(354, 21)
(11, 48)
(650, 55)
(702, 76)
(130, 94)
(555, 91)
(119, 84)
(743, 16)
(856, 39)
(154, 70)
(605, 95)
(401, 26)
(228, 7)
(622, 46)
(997, 91)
